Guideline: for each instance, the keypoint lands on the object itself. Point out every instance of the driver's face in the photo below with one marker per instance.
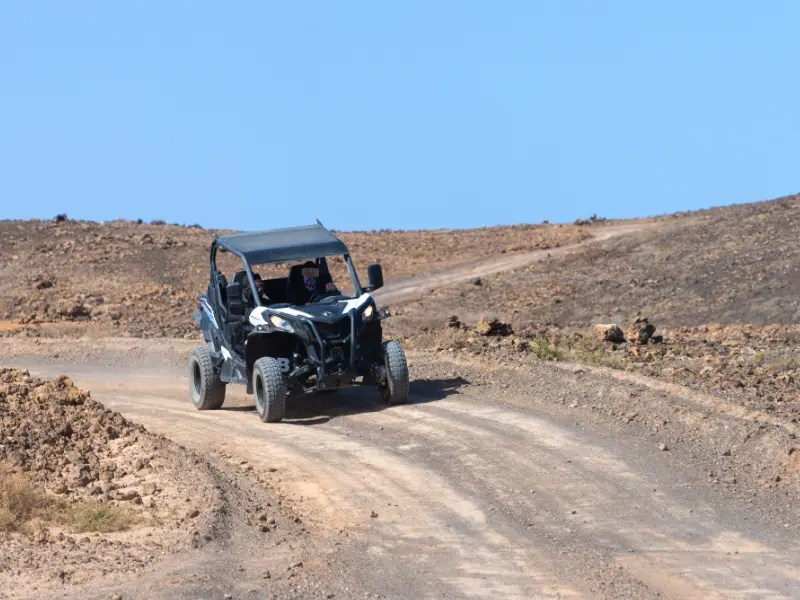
(259, 285)
(310, 272)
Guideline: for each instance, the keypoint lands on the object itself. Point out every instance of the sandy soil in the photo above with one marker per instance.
(507, 475)
(512, 482)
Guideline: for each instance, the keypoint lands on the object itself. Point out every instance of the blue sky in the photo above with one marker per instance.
(406, 115)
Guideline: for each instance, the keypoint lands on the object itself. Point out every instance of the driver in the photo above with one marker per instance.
(315, 282)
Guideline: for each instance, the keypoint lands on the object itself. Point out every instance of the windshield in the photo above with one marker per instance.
(313, 277)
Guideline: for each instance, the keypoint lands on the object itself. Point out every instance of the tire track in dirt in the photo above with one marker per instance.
(413, 288)
(422, 520)
(451, 482)
(687, 548)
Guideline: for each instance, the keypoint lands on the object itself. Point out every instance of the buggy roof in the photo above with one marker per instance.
(281, 245)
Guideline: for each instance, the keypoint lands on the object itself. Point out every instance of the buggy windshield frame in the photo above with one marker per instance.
(283, 245)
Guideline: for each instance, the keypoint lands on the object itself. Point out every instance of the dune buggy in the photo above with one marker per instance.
(286, 337)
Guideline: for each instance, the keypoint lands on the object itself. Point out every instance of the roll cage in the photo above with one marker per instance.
(270, 247)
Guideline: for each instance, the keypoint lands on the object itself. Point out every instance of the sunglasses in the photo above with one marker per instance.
(309, 272)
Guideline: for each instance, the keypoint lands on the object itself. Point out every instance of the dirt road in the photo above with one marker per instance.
(478, 491)
(414, 287)
(484, 486)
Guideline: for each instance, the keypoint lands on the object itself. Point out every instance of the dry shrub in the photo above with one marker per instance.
(21, 504)
(26, 509)
(544, 348)
(103, 518)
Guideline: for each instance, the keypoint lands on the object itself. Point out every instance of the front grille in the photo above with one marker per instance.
(337, 331)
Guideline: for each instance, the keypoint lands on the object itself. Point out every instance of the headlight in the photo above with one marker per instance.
(281, 323)
(368, 313)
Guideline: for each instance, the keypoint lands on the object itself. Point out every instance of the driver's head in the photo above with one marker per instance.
(310, 273)
(258, 282)
(310, 270)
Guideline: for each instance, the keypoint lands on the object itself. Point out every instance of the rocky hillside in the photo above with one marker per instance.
(84, 492)
(720, 289)
(739, 264)
(145, 279)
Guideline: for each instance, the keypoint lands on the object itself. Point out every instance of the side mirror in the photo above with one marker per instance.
(235, 304)
(375, 274)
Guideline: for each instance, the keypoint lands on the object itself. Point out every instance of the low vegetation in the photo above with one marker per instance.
(102, 518)
(24, 508)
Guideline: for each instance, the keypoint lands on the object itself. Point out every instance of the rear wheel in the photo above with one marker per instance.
(206, 390)
(270, 390)
(396, 389)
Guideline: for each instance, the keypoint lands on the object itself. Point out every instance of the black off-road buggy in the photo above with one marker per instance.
(279, 347)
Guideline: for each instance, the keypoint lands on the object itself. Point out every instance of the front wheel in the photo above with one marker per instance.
(270, 390)
(206, 390)
(396, 389)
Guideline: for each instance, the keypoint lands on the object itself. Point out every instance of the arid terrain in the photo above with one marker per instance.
(544, 453)
(139, 279)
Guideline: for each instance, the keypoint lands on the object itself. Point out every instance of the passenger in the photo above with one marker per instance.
(247, 293)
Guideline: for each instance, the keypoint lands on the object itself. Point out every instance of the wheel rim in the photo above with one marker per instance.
(197, 378)
(387, 389)
(259, 394)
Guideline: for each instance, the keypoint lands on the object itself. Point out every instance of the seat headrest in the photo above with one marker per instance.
(295, 290)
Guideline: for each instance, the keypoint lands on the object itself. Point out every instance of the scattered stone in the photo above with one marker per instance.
(663, 447)
(71, 309)
(454, 322)
(477, 281)
(127, 495)
(594, 219)
(493, 327)
(373, 515)
(44, 284)
(641, 331)
(609, 332)
(81, 476)
(193, 513)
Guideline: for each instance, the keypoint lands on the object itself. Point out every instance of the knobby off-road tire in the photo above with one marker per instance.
(269, 389)
(396, 389)
(206, 390)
